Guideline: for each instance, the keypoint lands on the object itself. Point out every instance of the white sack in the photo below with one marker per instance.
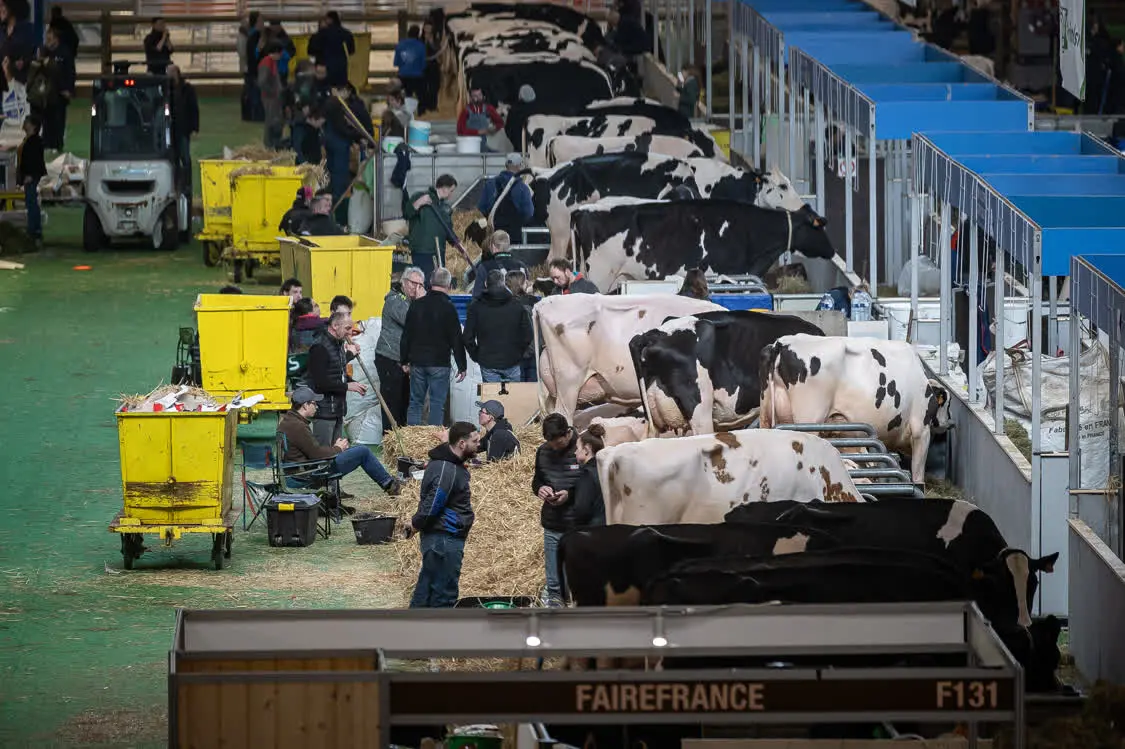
(364, 422)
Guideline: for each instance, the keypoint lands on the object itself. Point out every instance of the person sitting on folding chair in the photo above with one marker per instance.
(302, 446)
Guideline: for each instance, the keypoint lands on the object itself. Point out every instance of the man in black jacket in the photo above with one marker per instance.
(328, 375)
(158, 47)
(496, 256)
(30, 168)
(333, 45)
(499, 442)
(185, 123)
(556, 473)
(431, 335)
(444, 518)
(319, 222)
(497, 331)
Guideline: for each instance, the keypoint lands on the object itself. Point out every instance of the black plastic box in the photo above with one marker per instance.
(291, 520)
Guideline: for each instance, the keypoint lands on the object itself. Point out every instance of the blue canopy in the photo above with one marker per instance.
(903, 85)
(1098, 288)
(1068, 188)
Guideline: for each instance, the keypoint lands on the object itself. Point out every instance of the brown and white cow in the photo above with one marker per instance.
(822, 380)
(586, 345)
(699, 479)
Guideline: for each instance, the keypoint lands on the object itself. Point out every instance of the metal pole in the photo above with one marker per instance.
(710, 54)
(730, 68)
(945, 324)
(1052, 317)
(873, 208)
(1114, 334)
(691, 32)
(668, 26)
(1075, 356)
(791, 172)
(803, 141)
(820, 146)
(756, 136)
(745, 95)
(849, 181)
(998, 341)
(1037, 406)
(780, 98)
(656, 30)
(974, 312)
(915, 252)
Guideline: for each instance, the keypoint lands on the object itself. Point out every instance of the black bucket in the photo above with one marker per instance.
(407, 466)
(373, 529)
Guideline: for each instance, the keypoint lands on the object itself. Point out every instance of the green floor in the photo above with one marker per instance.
(83, 645)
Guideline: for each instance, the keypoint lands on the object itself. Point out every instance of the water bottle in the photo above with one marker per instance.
(861, 305)
(826, 302)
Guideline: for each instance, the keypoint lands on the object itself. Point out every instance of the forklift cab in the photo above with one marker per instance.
(134, 187)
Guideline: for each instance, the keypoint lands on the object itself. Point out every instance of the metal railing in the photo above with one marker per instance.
(886, 482)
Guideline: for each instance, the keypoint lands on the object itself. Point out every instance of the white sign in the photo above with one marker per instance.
(842, 167)
(1072, 46)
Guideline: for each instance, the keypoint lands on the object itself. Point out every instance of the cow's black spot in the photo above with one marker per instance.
(893, 391)
(790, 367)
(894, 423)
(536, 137)
(882, 378)
(878, 357)
(814, 365)
(623, 128)
(880, 395)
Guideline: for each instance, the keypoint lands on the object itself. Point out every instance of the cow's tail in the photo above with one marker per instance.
(636, 352)
(540, 389)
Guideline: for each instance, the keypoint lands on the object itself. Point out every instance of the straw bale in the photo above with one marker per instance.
(453, 260)
(250, 168)
(192, 398)
(504, 552)
(314, 175)
(258, 152)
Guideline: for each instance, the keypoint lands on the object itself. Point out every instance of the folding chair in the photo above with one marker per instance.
(256, 453)
(318, 477)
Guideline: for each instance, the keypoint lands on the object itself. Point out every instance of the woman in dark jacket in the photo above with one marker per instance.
(589, 507)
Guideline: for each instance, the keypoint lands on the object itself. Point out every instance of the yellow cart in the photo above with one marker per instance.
(353, 265)
(214, 179)
(176, 471)
(244, 346)
(258, 201)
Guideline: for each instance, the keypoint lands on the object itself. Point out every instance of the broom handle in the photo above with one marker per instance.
(383, 403)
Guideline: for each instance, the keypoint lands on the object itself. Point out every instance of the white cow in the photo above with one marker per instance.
(621, 429)
(565, 148)
(586, 345)
(834, 379)
(699, 479)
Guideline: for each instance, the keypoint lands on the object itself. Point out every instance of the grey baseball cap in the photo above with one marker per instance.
(303, 395)
(494, 408)
(514, 159)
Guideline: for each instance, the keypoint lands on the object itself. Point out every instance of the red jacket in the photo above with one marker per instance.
(463, 120)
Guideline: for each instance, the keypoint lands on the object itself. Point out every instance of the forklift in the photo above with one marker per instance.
(135, 186)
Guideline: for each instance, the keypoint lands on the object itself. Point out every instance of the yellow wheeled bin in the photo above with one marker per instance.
(176, 470)
(244, 346)
(359, 64)
(258, 202)
(214, 182)
(353, 265)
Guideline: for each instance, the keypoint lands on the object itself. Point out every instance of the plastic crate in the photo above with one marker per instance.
(291, 520)
(763, 302)
(461, 303)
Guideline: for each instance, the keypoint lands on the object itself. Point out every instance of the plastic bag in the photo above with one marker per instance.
(361, 211)
(929, 278)
(364, 422)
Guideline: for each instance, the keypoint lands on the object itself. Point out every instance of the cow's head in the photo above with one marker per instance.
(808, 235)
(938, 416)
(1005, 588)
(776, 191)
(477, 232)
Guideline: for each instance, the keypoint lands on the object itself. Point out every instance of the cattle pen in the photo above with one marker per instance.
(997, 211)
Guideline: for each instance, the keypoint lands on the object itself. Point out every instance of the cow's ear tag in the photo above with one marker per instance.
(978, 574)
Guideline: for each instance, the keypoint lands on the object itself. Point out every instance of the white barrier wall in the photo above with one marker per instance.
(1097, 606)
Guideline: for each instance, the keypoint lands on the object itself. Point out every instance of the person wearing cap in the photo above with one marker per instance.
(320, 223)
(499, 441)
(497, 331)
(515, 121)
(506, 199)
(301, 446)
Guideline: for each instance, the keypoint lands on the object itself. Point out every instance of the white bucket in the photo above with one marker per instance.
(446, 148)
(417, 148)
(418, 133)
(468, 144)
(391, 142)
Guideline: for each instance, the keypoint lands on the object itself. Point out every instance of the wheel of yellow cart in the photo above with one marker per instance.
(132, 546)
(212, 254)
(220, 548)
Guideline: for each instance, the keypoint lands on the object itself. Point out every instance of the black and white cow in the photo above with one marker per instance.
(543, 46)
(541, 128)
(618, 239)
(566, 148)
(560, 16)
(701, 372)
(821, 380)
(572, 83)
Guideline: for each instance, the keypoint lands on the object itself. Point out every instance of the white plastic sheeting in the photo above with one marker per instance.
(1094, 412)
(364, 422)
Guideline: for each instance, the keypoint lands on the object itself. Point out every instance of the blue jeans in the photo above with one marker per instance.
(439, 579)
(435, 381)
(528, 369)
(511, 374)
(34, 216)
(360, 456)
(551, 562)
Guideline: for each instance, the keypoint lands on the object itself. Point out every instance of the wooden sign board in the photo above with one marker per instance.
(521, 400)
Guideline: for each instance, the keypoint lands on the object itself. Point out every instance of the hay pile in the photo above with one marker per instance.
(504, 553)
(453, 260)
(314, 175)
(250, 168)
(258, 152)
